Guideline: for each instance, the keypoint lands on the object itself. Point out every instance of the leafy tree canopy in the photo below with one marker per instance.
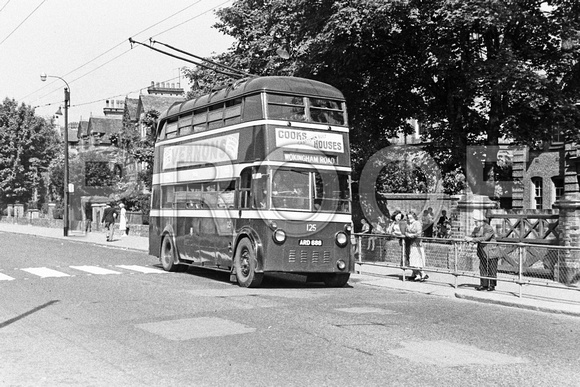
(139, 149)
(471, 71)
(27, 144)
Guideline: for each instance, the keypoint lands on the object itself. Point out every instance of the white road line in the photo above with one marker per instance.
(45, 272)
(142, 269)
(4, 277)
(95, 270)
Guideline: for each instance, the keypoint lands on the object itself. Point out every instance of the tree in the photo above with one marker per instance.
(27, 144)
(92, 173)
(140, 149)
(472, 71)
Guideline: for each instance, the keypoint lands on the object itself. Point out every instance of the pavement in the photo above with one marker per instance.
(555, 298)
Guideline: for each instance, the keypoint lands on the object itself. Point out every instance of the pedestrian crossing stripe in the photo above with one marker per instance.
(95, 270)
(45, 272)
(4, 277)
(142, 269)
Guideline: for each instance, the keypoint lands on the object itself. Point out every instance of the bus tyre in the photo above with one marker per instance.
(336, 280)
(168, 255)
(246, 264)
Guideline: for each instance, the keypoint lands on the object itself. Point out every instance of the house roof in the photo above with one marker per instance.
(159, 103)
(103, 126)
(83, 129)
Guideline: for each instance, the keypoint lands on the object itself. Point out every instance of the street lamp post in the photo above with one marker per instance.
(43, 77)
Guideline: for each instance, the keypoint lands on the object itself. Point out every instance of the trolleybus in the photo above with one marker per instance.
(255, 179)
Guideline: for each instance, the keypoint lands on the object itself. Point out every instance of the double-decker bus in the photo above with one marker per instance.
(255, 179)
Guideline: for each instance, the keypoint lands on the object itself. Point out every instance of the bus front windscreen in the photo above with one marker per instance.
(326, 191)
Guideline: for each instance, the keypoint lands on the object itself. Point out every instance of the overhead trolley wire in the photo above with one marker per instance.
(119, 44)
(22, 22)
(102, 99)
(4, 6)
(188, 20)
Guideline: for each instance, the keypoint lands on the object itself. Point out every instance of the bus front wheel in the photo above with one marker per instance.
(168, 255)
(336, 280)
(246, 264)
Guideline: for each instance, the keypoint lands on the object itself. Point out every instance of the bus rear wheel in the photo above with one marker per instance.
(336, 280)
(168, 255)
(246, 264)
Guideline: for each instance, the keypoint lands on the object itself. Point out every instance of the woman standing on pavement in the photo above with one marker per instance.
(123, 220)
(416, 251)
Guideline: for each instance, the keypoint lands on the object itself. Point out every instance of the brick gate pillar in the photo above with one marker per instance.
(567, 269)
(463, 224)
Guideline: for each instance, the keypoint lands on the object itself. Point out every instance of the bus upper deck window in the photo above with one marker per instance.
(253, 107)
(286, 107)
(326, 111)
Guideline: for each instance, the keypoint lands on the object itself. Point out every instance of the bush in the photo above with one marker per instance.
(58, 212)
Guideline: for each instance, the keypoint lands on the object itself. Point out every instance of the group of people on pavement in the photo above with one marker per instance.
(111, 214)
(410, 229)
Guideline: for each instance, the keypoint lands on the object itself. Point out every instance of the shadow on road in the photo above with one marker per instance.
(13, 320)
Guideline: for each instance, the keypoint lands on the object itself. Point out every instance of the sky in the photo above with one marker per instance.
(86, 42)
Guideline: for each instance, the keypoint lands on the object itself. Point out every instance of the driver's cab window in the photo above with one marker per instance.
(260, 180)
(253, 188)
(290, 189)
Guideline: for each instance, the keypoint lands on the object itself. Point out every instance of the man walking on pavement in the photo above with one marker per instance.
(109, 216)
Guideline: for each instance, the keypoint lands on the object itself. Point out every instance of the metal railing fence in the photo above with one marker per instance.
(520, 263)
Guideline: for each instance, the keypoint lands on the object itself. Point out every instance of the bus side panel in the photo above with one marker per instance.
(188, 239)
(154, 236)
(215, 241)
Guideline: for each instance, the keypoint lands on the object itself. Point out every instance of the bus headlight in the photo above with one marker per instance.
(340, 264)
(348, 228)
(279, 236)
(341, 239)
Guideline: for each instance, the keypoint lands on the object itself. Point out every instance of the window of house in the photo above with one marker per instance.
(558, 184)
(537, 193)
(557, 136)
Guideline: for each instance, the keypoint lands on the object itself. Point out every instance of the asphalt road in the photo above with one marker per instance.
(83, 315)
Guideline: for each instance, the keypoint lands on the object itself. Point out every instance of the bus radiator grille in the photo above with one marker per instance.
(315, 255)
(316, 258)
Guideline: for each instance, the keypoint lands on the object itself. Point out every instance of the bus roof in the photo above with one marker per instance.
(276, 84)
